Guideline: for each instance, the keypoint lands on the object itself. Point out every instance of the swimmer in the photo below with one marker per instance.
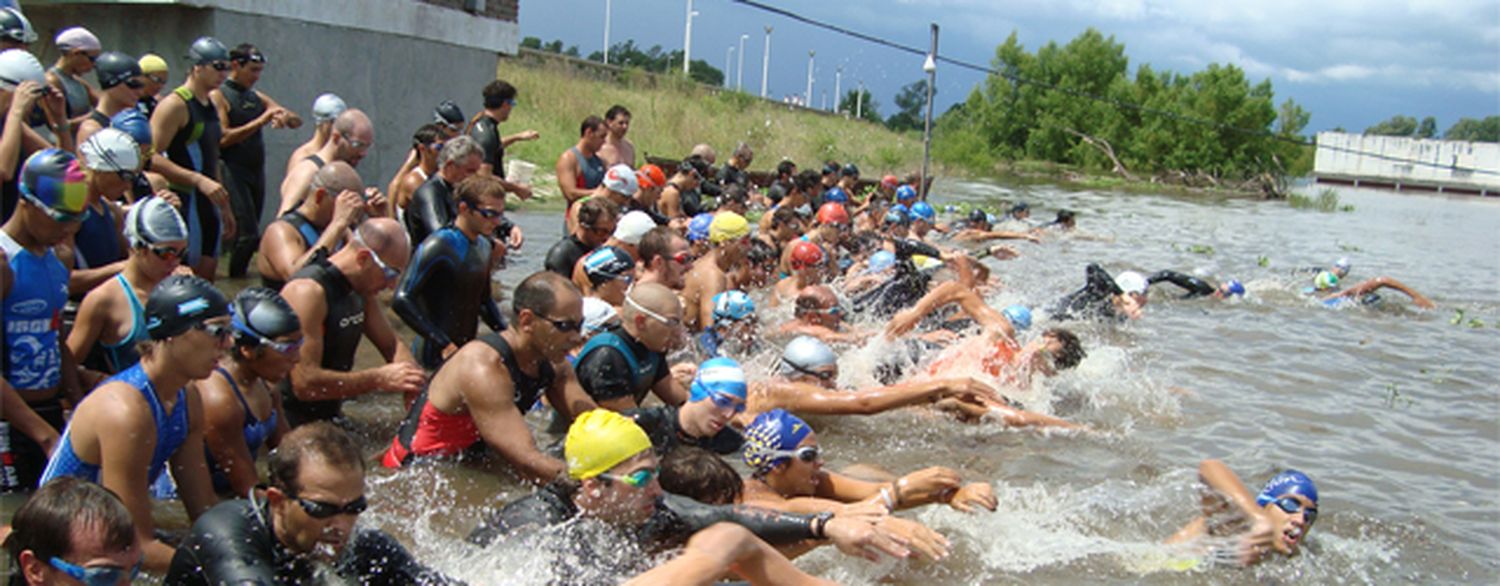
(819, 314)
(608, 272)
(806, 260)
(828, 231)
(433, 204)
(120, 83)
(1104, 297)
(243, 113)
(759, 269)
(186, 132)
(680, 199)
(499, 102)
(664, 258)
(241, 405)
(734, 169)
(325, 109)
(73, 531)
(724, 549)
(980, 229)
(619, 366)
(1195, 287)
(317, 227)
(426, 143)
(597, 219)
(579, 169)
(734, 329)
(629, 231)
(716, 396)
(621, 187)
(352, 137)
(110, 160)
(1326, 286)
(617, 149)
(729, 239)
(1276, 520)
(780, 226)
(78, 51)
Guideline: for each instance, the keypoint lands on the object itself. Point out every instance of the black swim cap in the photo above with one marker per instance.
(181, 302)
(448, 114)
(15, 27)
(850, 170)
(115, 68)
(258, 312)
(207, 50)
(979, 216)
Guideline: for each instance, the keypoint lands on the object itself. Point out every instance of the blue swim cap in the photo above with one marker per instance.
(718, 376)
(836, 195)
(1288, 482)
(905, 193)
(881, 260)
(133, 123)
(897, 215)
(772, 431)
(1019, 316)
(733, 305)
(923, 211)
(1234, 288)
(606, 264)
(698, 227)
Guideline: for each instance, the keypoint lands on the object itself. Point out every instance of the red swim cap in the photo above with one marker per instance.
(806, 254)
(833, 213)
(889, 182)
(650, 175)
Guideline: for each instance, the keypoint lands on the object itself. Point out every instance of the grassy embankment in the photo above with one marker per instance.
(671, 115)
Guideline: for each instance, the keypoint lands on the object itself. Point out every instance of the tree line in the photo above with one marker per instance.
(1470, 129)
(627, 54)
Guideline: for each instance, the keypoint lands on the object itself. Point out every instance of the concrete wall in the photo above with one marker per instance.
(1408, 161)
(397, 79)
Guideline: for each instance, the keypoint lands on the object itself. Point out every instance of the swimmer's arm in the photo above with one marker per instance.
(289, 119)
(805, 398)
(907, 319)
(378, 330)
(396, 188)
(81, 281)
(519, 136)
(490, 397)
(69, 375)
(428, 260)
(671, 202)
(727, 547)
(670, 390)
(1377, 283)
(189, 465)
(310, 381)
(282, 247)
(566, 395)
(1193, 286)
(15, 411)
(1217, 476)
(567, 177)
(294, 186)
(123, 467)
(224, 433)
(235, 134)
(797, 328)
(88, 325)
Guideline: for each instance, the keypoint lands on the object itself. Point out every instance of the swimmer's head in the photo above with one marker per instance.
(906, 194)
(1341, 267)
(1064, 348)
(1019, 316)
(598, 315)
(806, 357)
(698, 227)
(1231, 288)
(836, 195)
(1290, 499)
(978, 216)
(880, 261)
(1131, 282)
(770, 438)
(1325, 280)
(923, 211)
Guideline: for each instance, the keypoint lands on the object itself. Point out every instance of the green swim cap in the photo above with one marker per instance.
(1325, 280)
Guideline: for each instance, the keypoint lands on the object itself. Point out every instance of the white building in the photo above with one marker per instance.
(1408, 163)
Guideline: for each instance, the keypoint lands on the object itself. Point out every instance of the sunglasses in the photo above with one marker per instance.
(93, 57)
(322, 510)
(287, 348)
(1291, 506)
(684, 258)
(807, 454)
(563, 325)
(167, 252)
(487, 213)
(637, 479)
(220, 65)
(359, 144)
(727, 401)
(96, 576)
(161, 79)
(385, 269)
(220, 331)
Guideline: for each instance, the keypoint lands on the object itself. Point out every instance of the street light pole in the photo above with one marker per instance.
(765, 64)
(728, 58)
(687, 38)
(838, 80)
(930, 66)
(739, 72)
(606, 30)
(809, 96)
(859, 101)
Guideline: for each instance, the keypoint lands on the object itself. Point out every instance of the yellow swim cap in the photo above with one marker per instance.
(151, 63)
(727, 226)
(599, 440)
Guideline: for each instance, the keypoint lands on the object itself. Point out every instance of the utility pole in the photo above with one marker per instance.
(930, 66)
(838, 78)
(728, 59)
(859, 101)
(606, 30)
(765, 64)
(687, 38)
(739, 71)
(809, 95)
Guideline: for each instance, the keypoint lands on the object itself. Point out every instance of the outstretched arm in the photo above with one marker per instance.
(1377, 283)
(726, 547)
(1193, 286)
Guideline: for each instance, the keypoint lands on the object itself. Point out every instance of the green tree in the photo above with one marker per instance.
(860, 101)
(1398, 125)
(1428, 128)
(531, 43)
(1486, 130)
(911, 104)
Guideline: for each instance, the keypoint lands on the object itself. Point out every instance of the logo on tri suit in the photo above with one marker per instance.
(357, 319)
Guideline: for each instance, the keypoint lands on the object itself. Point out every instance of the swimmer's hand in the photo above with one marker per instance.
(928, 485)
(1261, 539)
(918, 537)
(170, 197)
(970, 496)
(963, 411)
(972, 390)
(872, 508)
(402, 377)
(861, 538)
(684, 373)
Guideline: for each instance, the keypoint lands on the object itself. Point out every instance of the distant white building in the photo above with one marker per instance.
(1408, 163)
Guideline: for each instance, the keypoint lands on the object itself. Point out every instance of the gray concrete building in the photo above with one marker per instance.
(395, 59)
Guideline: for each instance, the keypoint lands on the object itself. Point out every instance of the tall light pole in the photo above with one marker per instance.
(808, 102)
(838, 79)
(765, 64)
(859, 101)
(687, 38)
(606, 31)
(739, 72)
(930, 66)
(728, 58)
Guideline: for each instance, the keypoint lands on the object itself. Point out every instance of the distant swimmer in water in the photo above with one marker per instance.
(1276, 520)
(1194, 287)
(981, 229)
(1105, 297)
(1326, 287)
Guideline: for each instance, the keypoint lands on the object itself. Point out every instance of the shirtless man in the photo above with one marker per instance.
(482, 392)
(352, 137)
(319, 224)
(579, 169)
(324, 111)
(663, 257)
(680, 198)
(729, 236)
(807, 262)
(617, 149)
(499, 101)
(979, 229)
(335, 299)
(818, 314)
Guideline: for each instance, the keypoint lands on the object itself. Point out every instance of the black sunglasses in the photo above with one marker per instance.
(563, 325)
(322, 510)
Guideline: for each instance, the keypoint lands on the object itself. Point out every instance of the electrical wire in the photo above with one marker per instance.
(1121, 104)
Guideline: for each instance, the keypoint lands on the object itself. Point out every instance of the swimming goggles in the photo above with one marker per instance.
(727, 401)
(636, 479)
(385, 269)
(96, 576)
(807, 454)
(653, 315)
(322, 510)
(1291, 506)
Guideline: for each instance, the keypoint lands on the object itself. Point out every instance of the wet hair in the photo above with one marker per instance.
(459, 148)
(319, 440)
(830, 167)
(590, 124)
(760, 252)
(615, 111)
(784, 215)
(861, 242)
(477, 186)
(1072, 350)
(497, 92)
(538, 293)
(46, 523)
(426, 135)
(743, 152)
(810, 300)
(807, 181)
(595, 209)
(656, 243)
(786, 168)
(734, 193)
(701, 475)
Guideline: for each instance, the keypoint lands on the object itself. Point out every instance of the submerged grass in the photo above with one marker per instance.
(1327, 201)
(671, 115)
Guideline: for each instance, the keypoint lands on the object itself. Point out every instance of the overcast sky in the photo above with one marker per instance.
(1351, 63)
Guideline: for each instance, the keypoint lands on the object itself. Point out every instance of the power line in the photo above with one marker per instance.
(1095, 97)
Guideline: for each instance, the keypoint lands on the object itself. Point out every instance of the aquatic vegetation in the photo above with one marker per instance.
(1327, 201)
(1263, 261)
(1393, 397)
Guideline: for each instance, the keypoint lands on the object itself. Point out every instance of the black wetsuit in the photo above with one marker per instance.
(309, 233)
(245, 178)
(692, 202)
(342, 329)
(234, 543)
(563, 255)
(196, 147)
(732, 174)
(605, 372)
(777, 191)
(486, 132)
(445, 291)
(1193, 286)
(676, 519)
(1093, 301)
(634, 205)
(660, 424)
(431, 207)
